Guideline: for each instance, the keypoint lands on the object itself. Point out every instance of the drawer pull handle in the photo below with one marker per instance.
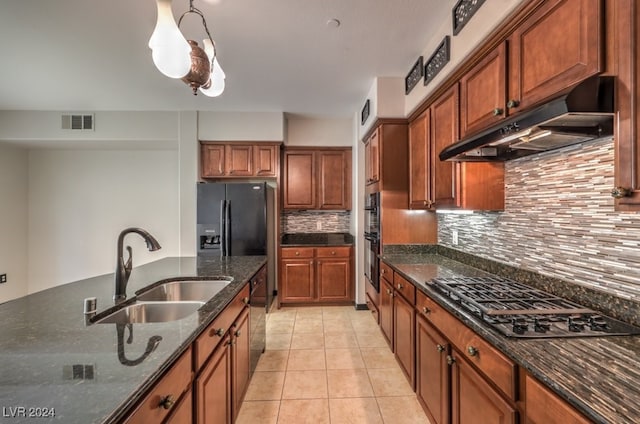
(498, 111)
(399, 286)
(472, 351)
(167, 402)
(388, 291)
(238, 333)
(382, 271)
(440, 348)
(245, 300)
(450, 360)
(513, 103)
(219, 332)
(426, 310)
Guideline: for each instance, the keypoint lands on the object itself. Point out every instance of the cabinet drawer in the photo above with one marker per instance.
(209, 339)
(295, 252)
(171, 387)
(386, 271)
(373, 308)
(490, 361)
(407, 289)
(333, 252)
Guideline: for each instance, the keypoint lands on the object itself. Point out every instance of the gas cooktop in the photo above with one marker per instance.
(518, 310)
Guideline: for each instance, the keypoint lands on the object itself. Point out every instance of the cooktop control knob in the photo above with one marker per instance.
(597, 323)
(541, 325)
(576, 324)
(520, 325)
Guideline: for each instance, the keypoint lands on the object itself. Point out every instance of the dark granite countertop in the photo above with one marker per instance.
(45, 345)
(316, 239)
(599, 376)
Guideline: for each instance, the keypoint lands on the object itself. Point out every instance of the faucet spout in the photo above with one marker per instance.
(123, 269)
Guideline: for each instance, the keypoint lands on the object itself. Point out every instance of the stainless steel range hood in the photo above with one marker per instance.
(582, 113)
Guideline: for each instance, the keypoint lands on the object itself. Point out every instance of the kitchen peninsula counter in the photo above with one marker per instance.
(599, 376)
(52, 361)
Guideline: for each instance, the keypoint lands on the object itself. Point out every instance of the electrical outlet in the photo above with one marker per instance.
(454, 237)
(3, 278)
(318, 225)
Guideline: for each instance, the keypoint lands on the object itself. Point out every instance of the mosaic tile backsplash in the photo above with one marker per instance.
(307, 221)
(558, 221)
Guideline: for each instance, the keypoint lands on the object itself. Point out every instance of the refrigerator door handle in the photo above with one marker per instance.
(227, 229)
(223, 208)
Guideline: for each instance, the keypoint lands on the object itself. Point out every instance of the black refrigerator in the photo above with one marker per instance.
(236, 219)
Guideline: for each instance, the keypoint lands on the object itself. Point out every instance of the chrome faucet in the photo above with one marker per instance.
(123, 269)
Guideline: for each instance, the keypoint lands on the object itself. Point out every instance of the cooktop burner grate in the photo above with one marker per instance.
(518, 310)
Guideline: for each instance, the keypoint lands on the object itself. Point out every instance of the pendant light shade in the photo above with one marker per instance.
(215, 85)
(171, 52)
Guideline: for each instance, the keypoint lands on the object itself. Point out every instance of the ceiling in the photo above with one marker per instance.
(278, 55)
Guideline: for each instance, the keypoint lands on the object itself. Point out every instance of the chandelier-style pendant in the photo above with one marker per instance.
(200, 68)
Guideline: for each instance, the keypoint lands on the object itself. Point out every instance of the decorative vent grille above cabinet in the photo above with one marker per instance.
(77, 122)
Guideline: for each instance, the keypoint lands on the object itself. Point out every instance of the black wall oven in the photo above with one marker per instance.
(372, 239)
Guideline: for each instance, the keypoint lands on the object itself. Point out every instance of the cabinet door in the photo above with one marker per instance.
(419, 162)
(299, 189)
(444, 131)
(334, 179)
(483, 91)
(239, 160)
(334, 279)
(474, 400)
(297, 280)
(240, 359)
(404, 340)
(213, 164)
(213, 385)
(386, 309)
(373, 154)
(555, 410)
(265, 160)
(432, 372)
(558, 46)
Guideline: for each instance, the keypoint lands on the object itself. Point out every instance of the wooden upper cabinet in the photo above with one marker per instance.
(265, 160)
(444, 132)
(419, 162)
(372, 157)
(483, 91)
(239, 160)
(246, 159)
(213, 163)
(556, 47)
(299, 184)
(334, 179)
(318, 178)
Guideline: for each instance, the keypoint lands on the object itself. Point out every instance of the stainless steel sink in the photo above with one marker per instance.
(184, 290)
(145, 312)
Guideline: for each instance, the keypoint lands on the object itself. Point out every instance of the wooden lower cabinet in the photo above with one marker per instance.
(182, 412)
(240, 360)
(432, 372)
(545, 407)
(386, 310)
(404, 318)
(473, 399)
(316, 275)
(213, 387)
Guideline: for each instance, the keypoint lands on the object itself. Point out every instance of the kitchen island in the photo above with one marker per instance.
(597, 375)
(55, 365)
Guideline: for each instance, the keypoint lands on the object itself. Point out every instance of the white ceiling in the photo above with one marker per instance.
(278, 55)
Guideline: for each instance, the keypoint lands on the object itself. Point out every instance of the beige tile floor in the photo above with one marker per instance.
(328, 365)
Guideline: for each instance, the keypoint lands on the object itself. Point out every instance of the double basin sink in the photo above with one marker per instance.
(169, 301)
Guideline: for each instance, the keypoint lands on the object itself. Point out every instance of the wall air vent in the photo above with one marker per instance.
(77, 122)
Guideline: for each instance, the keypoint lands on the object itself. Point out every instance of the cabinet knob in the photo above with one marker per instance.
(167, 402)
(472, 351)
(310, 262)
(382, 271)
(400, 286)
(450, 360)
(333, 252)
(319, 262)
(297, 253)
(245, 300)
(426, 310)
(498, 111)
(620, 192)
(424, 202)
(388, 291)
(219, 332)
(440, 348)
(513, 103)
(238, 333)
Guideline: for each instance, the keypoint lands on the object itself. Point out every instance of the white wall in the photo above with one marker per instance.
(302, 131)
(13, 221)
(251, 126)
(80, 200)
